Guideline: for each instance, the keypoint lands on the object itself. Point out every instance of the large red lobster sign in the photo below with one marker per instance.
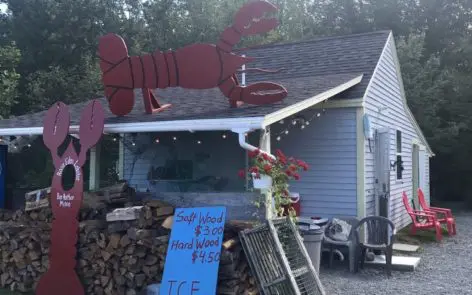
(61, 279)
(196, 66)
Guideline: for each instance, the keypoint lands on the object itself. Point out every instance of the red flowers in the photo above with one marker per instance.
(267, 168)
(254, 169)
(281, 169)
(281, 157)
(254, 153)
(302, 164)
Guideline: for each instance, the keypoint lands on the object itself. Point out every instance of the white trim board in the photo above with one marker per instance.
(307, 103)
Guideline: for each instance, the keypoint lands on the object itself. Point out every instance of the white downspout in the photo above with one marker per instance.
(245, 145)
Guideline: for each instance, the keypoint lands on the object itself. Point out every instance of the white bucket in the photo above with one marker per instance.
(263, 182)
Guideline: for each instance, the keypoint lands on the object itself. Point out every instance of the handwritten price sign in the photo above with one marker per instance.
(194, 251)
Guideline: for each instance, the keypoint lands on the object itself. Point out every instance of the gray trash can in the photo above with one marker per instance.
(312, 240)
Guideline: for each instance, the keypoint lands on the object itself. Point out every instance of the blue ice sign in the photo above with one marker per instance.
(193, 253)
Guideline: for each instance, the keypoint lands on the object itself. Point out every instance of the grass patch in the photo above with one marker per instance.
(421, 236)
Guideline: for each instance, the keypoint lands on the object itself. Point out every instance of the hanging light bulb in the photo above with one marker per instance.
(281, 121)
(199, 142)
(157, 140)
(29, 145)
(294, 122)
(279, 138)
(224, 136)
(174, 138)
(319, 114)
(307, 123)
(114, 138)
(286, 131)
(302, 127)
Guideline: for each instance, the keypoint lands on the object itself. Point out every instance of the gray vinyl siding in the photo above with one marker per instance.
(328, 145)
(385, 91)
(224, 158)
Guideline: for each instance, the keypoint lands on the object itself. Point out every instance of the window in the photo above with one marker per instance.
(399, 142)
(399, 162)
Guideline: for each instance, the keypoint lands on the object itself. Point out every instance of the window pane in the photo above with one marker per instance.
(399, 141)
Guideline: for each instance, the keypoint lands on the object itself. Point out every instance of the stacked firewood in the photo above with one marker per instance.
(120, 250)
(234, 276)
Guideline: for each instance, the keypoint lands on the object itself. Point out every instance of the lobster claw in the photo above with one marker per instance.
(56, 126)
(263, 93)
(250, 20)
(91, 127)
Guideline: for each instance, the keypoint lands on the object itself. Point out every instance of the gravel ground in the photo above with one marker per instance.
(444, 268)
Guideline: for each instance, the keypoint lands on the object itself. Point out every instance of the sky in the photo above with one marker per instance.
(3, 7)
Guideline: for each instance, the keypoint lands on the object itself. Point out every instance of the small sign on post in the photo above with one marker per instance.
(193, 254)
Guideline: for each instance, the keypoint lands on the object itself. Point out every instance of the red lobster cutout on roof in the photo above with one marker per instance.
(196, 66)
(60, 278)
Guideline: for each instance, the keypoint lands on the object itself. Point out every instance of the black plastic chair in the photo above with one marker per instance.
(379, 237)
(351, 243)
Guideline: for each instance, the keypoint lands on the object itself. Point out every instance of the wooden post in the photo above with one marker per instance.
(94, 176)
(121, 158)
(264, 144)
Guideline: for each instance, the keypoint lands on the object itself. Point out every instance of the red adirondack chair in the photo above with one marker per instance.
(444, 215)
(425, 220)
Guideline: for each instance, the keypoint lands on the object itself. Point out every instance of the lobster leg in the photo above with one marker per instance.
(151, 104)
(256, 94)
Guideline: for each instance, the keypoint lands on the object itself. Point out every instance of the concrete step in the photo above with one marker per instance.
(400, 263)
(405, 247)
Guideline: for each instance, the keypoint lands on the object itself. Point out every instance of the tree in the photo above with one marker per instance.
(9, 59)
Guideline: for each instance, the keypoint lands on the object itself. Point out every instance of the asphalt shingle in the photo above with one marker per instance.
(196, 104)
(309, 68)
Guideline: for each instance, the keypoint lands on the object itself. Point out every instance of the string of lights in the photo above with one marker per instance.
(299, 122)
(17, 143)
(131, 140)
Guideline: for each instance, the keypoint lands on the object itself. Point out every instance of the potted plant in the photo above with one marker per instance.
(275, 174)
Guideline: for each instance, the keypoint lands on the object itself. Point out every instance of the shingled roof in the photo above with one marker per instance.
(357, 53)
(310, 68)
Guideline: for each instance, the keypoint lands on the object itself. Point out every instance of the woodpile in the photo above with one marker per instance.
(120, 250)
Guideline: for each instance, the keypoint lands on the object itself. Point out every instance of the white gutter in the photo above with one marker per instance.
(245, 145)
(250, 123)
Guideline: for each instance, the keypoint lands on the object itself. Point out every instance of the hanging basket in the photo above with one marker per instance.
(262, 182)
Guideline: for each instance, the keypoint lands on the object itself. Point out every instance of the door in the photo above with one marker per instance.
(415, 169)
(382, 172)
(422, 179)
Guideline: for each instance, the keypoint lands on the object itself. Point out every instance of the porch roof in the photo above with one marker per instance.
(201, 109)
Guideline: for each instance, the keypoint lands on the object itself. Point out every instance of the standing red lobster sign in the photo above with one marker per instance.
(196, 66)
(61, 279)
